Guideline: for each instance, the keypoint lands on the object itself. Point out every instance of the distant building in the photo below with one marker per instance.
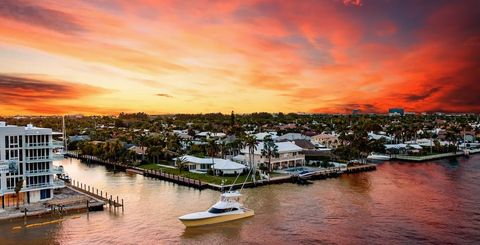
(396, 112)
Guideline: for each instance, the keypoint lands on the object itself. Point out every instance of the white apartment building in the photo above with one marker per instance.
(26, 155)
(289, 155)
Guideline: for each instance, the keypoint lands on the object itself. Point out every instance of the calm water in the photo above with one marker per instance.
(436, 202)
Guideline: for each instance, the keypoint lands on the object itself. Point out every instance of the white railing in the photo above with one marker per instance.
(289, 158)
(46, 145)
(54, 170)
(38, 185)
(39, 158)
(39, 171)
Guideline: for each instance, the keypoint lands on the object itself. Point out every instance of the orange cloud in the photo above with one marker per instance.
(27, 94)
(321, 56)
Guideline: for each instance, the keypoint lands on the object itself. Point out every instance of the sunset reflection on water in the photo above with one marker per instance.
(433, 202)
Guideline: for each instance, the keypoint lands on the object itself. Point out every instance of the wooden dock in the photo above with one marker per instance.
(97, 194)
(180, 180)
(360, 168)
(174, 178)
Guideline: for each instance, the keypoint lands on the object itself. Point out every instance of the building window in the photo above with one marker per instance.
(44, 194)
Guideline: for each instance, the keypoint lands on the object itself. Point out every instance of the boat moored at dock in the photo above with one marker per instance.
(378, 157)
(228, 208)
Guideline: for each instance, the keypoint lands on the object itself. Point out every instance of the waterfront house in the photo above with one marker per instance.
(374, 136)
(221, 166)
(26, 155)
(326, 140)
(403, 148)
(139, 150)
(290, 155)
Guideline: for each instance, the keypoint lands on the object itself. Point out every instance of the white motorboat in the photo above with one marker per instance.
(226, 209)
(378, 157)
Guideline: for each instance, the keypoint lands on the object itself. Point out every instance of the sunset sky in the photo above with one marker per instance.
(326, 56)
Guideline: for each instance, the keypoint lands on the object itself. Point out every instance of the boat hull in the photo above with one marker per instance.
(378, 158)
(216, 219)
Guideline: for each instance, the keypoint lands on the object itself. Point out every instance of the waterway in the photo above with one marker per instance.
(433, 202)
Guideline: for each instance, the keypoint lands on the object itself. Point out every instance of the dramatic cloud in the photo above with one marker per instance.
(246, 55)
(39, 95)
(424, 95)
(31, 14)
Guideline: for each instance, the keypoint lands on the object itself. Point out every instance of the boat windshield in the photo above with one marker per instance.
(230, 199)
(219, 211)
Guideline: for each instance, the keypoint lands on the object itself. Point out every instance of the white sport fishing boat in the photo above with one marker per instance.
(378, 157)
(227, 209)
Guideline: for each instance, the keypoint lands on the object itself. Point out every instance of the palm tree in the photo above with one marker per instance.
(181, 163)
(141, 141)
(237, 145)
(251, 144)
(224, 148)
(212, 150)
(451, 137)
(270, 149)
(18, 188)
(154, 153)
(116, 149)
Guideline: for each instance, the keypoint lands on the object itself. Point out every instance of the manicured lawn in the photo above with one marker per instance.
(202, 177)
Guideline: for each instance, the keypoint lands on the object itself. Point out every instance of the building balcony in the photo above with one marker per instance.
(38, 145)
(288, 158)
(37, 186)
(38, 159)
(34, 187)
(54, 170)
(7, 191)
